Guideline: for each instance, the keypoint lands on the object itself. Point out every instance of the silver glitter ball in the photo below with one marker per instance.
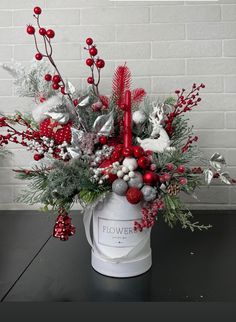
(136, 181)
(120, 187)
(149, 193)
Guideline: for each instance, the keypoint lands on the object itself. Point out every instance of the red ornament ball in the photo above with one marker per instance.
(103, 140)
(30, 30)
(150, 178)
(134, 195)
(50, 33)
(42, 31)
(38, 157)
(75, 102)
(100, 63)
(48, 77)
(89, 41)
(37, 10)
(55, 86)
(181, 169)
(143, 162)
(119, 148)
(115, 156)
(127, 152)
(93, 51)
(56, 79)
(138, 151)
(89, 62)
(38, 56)
(90, 80)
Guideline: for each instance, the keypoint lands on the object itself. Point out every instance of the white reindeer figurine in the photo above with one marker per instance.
(159, 140)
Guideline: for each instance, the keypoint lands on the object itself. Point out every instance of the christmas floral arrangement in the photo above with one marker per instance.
(89, 145)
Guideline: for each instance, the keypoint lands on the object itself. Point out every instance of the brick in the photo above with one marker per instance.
(188, 48)
(229, 48)
(224, 30)
(231, 157)
(206, 120)
(6, 193)
(211, 66)
(77, 3)
(214, 84)
(230, 84)
(60, 52)
(118, 15)
(214, 195)
(49, 17)
(216, 138)
(13, 4)
(231, 120)
(150, 32)
(218, 102)
(5, 18)
(185, 13)
(124, 51)
(229, 13)
(10, 104)
(157, 67)
(6, 161)
(6, 53)
(147, 3)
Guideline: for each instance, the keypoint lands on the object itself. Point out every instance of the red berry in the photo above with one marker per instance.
(93, 51)
(42, 31)
(103, 140)
(38, 157)
(100, 63)
(143, 162)
(55, 86)
(183, 181)
(56, 79)
(89, 41)
(90, 80)
(63, 90)
(48, 77)
(166, 177)
(127, 152)
(169, 166)
(181, 169)
(50, 33)
(90, 62)
(30, 30)
(75, 102)
(38, 56)
(138, 151)
(37, 10)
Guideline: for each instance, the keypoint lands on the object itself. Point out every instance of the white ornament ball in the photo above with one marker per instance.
(125, 169)
(136, 181)
(149, 193)
(120, 174)
(131, 174)
(130, 163)
(126, 177)
(139, 117)
(120, 187)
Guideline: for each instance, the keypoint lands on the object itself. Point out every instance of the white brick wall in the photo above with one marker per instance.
(166, 45)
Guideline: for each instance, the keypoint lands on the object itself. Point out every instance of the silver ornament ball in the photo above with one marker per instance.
(149, 193)
(119, 186)
(136, 181)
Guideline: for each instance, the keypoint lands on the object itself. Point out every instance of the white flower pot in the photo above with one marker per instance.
(118, 250)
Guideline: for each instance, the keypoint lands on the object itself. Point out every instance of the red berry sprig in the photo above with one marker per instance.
(185, 103)
(95, 63)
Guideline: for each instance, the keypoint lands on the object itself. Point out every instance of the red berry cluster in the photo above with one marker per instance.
(47, 34)
(189, 143)
(197, 170)
(185, 102)
(93, 62)
(149, 214)
(56, 82)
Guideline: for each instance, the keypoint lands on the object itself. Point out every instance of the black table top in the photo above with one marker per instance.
(199, 266)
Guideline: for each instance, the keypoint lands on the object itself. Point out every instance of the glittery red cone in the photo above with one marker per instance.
(63, 227)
